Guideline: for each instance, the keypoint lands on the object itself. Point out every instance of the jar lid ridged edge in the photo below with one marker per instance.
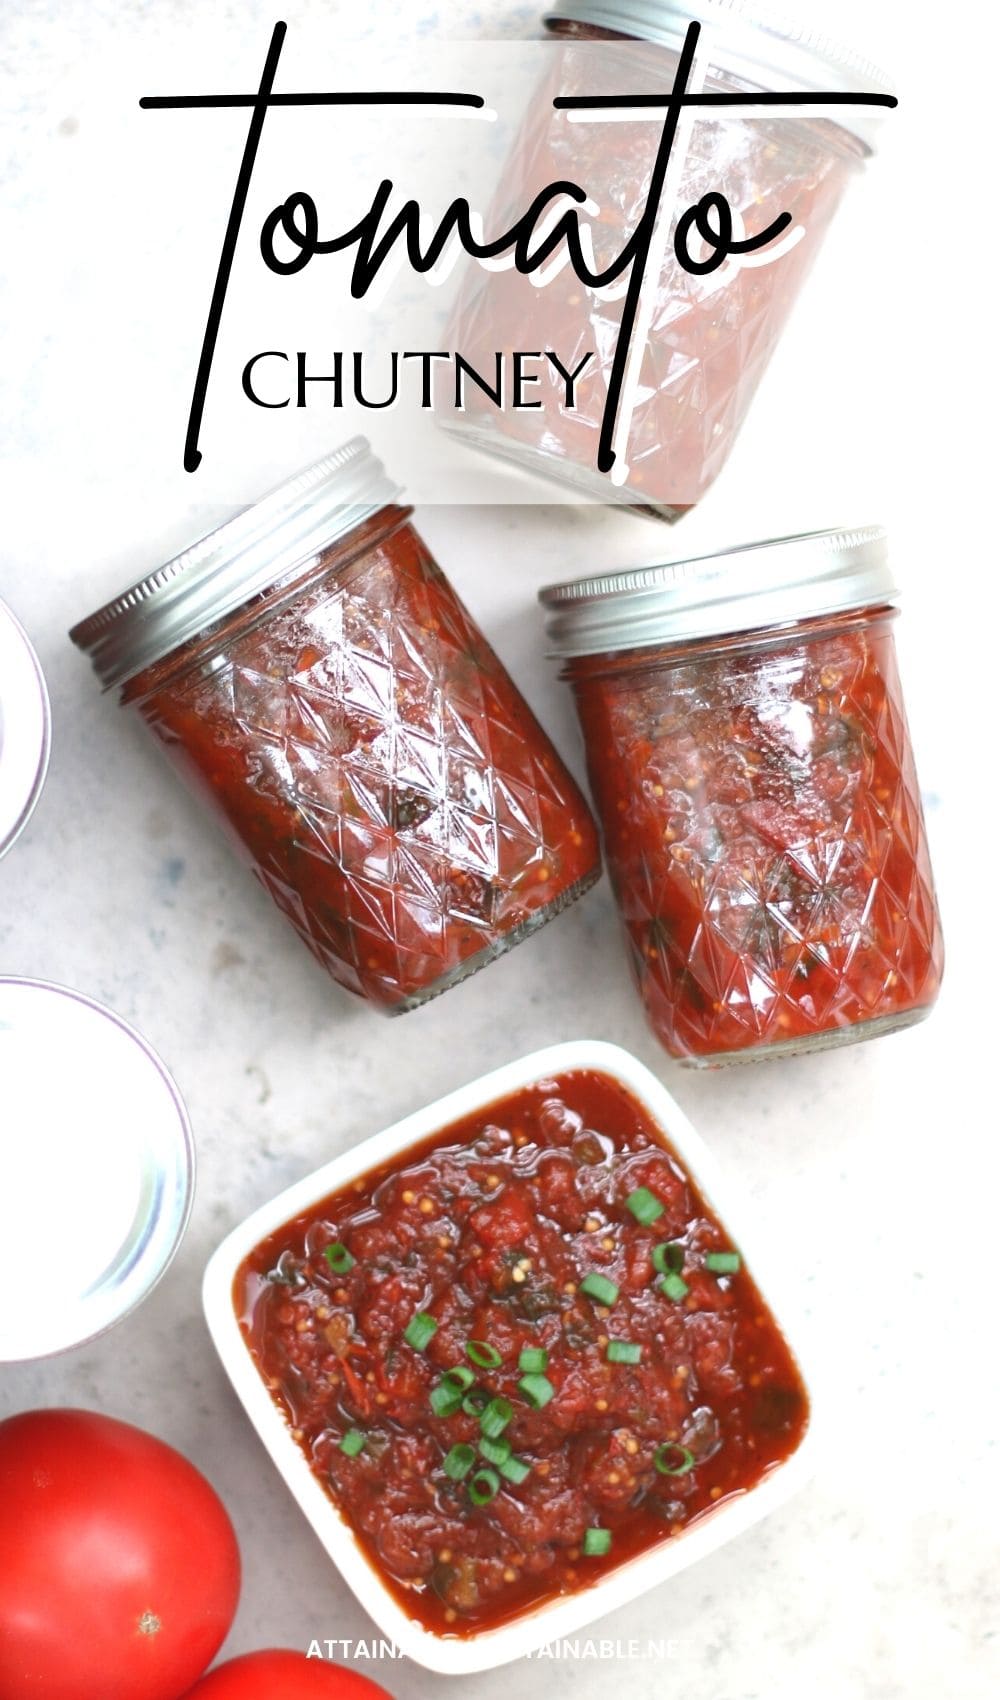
(746, 588)
(235, 561)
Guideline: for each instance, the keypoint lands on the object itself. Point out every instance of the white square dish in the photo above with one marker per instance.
(564, 1615)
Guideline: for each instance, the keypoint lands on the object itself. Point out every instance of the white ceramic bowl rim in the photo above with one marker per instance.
(553, 1620)
(24, 729)
(112, 1143)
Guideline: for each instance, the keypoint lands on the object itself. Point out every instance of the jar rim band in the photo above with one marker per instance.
(750, 587)
(240, 559)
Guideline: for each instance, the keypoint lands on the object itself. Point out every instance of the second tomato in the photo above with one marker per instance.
(276, 1675)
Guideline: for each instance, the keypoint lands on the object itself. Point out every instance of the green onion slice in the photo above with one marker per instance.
(339, 1258)
(623, 1352)
(722, 1262)
(458, 1379)
(420, 1331)
(600, 1288)
(674, 1286)
(537, 1389)
(445, 1401)
(495, 1418)
(475, 1402)
(352, 1442)
(673, 1459)
(596, 1542)
(668, 1257)
(495, 1451)
(515, 1470)
(533, 1360)
(483, 1354)
(644, 1205)
(484, 1486)
(459, 1462)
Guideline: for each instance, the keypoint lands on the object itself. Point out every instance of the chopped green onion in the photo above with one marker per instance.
(458, 1379)
(484, 1486)
(600, 1288)
(722, 1262)
(459, 1462)
(495, 1451)
(475, 1402)
(623, 1352)
(596, 1542)
(483, 1354)
(515, 1470)
(673, 1459)
(352, 1442)
(420, 1331)
(445, 1401)
(533, 1360)
(339, 1258)
(674, 1286)
(537, 1389)
(668, 1257)
(495, 1418)
(644, 1205)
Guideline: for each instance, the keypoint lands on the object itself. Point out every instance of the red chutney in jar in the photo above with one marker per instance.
(372, 759)
(506, 1279)
(711, 336)
(761, 812)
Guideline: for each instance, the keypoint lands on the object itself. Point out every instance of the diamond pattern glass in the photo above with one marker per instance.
(765, 838)
(710, 336)
(378, 768)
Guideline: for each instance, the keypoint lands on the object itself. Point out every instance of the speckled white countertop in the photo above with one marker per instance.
(872, 1171)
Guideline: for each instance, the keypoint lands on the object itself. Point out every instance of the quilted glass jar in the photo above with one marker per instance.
(313, 675)
(750, 760)
(702, 341)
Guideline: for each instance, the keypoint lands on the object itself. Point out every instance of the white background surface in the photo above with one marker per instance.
(871, 1170)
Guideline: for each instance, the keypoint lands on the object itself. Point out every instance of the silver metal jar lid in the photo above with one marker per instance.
(746, 589)
(24, 729)
(763, 47)
(237, 561)
(96, 1169)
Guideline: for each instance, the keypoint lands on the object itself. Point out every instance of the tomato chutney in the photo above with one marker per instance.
(315, 678)
(752, 768)
(521, 1353)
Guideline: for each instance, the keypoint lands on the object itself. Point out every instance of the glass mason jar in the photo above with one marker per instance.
(313, 675)
(710, 336)
(750, 760)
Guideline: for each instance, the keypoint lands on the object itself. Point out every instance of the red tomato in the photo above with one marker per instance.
(119, 1569)
(275, 1675)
